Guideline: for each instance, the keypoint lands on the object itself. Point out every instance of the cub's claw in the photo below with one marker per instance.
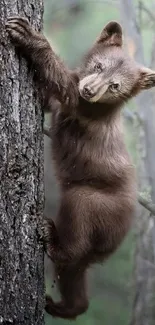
(19, 30)
(19, 20)
(49, 303)
(50, 236)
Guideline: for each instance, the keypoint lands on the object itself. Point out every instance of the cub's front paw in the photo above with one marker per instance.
(20, 31)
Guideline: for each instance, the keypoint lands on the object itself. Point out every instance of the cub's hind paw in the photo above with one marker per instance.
(48, 229)
(49, 300)
(50, 236)
(53, 308)
(49, 304)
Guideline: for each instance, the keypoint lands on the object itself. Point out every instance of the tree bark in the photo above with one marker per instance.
(21, 176)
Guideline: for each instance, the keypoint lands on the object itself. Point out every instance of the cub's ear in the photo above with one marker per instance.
(111, 34)
(147, 78)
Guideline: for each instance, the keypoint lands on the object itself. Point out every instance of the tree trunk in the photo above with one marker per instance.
(21, 176)
(144, 274)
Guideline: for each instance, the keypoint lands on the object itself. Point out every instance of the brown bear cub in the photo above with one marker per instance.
(94, 171)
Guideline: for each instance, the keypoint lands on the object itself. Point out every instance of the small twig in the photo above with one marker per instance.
(47, 131)
(153, 53)
(147, 204)
(148, 11)
(146, 262)
(140, 13)
(128, 114)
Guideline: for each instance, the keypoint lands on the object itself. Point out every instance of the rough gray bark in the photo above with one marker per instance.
(144, 271)
(21, 176)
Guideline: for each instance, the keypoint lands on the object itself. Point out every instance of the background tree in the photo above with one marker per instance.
(72, 26)
(135, 18)
(21, 176)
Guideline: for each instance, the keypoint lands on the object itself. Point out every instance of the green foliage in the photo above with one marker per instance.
(74, 33)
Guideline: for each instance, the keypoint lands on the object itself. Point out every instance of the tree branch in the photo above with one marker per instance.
(153, 53)
(147, 204)
(148, 11)
(47, 131)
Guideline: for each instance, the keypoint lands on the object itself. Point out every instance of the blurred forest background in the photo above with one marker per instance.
(123, 290)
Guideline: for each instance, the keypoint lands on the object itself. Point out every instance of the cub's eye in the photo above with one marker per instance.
(114, 87)
(98, 67)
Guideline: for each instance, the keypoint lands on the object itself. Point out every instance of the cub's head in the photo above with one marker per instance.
(108, 75)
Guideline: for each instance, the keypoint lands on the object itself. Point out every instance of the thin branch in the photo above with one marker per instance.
(148, 11)
(153, 53)
(128, 114)
(146, 204)
(47, 131)
(140, 13)
(147, 263)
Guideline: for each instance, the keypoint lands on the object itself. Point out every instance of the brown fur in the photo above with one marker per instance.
(96, 177)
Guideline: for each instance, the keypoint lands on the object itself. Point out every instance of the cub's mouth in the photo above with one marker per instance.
(87, 93)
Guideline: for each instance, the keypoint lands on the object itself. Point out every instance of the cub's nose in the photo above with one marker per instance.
(87, 92)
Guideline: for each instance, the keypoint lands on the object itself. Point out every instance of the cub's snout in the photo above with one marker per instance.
(92, 87)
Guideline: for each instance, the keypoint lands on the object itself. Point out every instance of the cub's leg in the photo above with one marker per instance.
(72, 286)
(70, 269)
